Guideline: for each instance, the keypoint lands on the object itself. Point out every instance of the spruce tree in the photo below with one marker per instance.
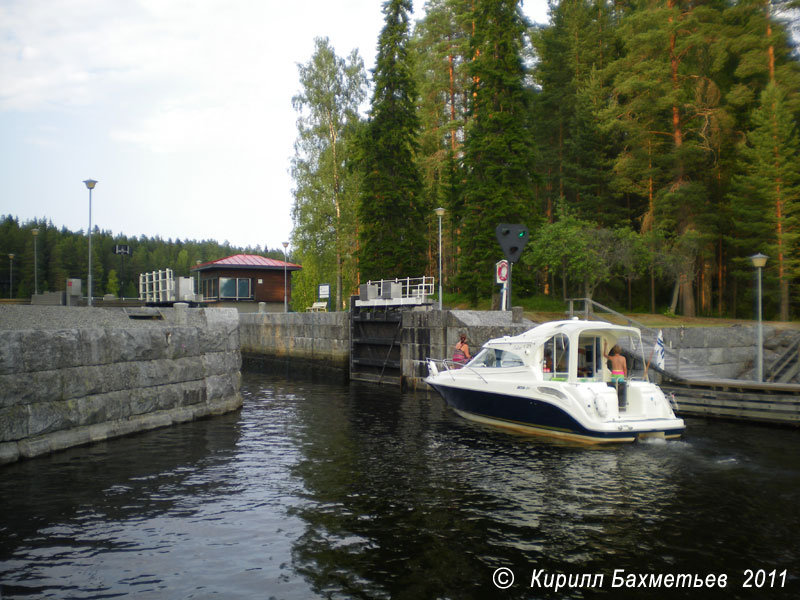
(391, 213)
(765, 197)
(499, 180)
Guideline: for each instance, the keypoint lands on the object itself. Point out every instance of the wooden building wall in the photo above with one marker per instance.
(267, 285)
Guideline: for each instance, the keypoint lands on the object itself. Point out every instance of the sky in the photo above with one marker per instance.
(180, 109)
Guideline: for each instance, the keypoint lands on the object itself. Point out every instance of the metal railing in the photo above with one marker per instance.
(409, 287)
(589, 306)
(449, 366)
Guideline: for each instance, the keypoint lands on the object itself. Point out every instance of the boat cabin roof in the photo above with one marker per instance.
(572, 328)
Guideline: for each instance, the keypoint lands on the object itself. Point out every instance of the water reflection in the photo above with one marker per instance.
(324, 490)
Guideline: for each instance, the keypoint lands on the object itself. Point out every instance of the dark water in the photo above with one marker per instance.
(327, 491)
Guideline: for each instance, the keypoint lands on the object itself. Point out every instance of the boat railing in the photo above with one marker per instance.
(451, 365)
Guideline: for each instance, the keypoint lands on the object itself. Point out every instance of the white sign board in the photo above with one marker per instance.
(324, 291)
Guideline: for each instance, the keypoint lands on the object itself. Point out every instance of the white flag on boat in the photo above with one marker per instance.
(658, 352)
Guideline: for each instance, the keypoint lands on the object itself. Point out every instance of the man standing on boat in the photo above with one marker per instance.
(619, 371)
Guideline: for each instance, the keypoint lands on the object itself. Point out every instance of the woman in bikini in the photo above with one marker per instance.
(619, 366)
(619, 371)
(461, 352)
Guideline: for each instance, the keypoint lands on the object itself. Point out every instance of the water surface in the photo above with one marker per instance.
(319, 490)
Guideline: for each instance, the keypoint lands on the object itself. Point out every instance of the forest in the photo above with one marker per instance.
(61, 254)
(650, 146)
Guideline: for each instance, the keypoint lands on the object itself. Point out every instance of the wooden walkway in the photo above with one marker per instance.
(776, 403)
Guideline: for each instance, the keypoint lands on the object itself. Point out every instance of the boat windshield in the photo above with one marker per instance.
(495, 357)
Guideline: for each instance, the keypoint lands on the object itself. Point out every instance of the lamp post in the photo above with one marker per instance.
(35, 233)
(90, 183)
(285, 297)
(197, 265)
(440, 213)
(10, 276)
(759, 261)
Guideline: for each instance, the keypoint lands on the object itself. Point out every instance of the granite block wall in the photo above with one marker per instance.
(76, 375)
(321, 339)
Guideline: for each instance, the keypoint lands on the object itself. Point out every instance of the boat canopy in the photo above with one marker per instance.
(565, 350)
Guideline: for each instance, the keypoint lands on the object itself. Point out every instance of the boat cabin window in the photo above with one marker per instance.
(495, 357)
(555, 362)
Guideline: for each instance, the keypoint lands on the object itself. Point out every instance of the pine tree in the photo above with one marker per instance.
(441, 57)
(499, 178)
(391, 211)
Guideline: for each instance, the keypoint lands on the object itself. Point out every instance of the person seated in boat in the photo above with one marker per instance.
(619, 371)
(547, 364)
(461, 352)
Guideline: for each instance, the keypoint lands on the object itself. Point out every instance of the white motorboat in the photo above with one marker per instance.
(554, 380)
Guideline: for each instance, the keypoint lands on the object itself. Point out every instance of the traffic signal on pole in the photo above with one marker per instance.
(512, 240)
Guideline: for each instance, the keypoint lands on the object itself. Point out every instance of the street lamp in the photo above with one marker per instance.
(440, 213)
(285, 297)
(197, 264)
(10, 276)
(35, 233)
(90, 183)
(759, 261)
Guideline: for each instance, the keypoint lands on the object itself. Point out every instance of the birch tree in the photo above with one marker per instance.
(332, 89)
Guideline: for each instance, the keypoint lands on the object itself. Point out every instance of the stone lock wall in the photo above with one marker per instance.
(317, 340)
(71, 376)
(434, 334)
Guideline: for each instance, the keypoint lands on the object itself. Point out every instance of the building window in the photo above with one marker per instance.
(210, 288)
(227, 287)
(243, 288)
(232, 288)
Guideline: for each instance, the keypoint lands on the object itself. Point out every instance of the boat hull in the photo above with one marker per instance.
(540, 417)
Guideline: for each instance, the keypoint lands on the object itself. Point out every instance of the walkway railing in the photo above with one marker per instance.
(409, 290)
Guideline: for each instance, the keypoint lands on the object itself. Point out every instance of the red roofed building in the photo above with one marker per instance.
(244, 280)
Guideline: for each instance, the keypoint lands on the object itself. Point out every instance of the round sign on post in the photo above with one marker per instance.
(502, 271)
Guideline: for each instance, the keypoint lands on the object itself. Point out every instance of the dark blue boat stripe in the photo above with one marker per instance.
(526, 412)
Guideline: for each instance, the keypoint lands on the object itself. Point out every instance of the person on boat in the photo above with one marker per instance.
(461, 352)
(619, 371)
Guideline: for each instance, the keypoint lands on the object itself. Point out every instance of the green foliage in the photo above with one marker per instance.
(112, 284)
(326, 190)
(499, 173)
(765, 195)
(391, 212)
(649, 123)
(575, 249)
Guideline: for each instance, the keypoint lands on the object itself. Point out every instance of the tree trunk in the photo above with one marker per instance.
(673, 307)
(687, 296)
(653, 290)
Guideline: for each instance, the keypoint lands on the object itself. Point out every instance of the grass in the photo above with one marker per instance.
(547, 308)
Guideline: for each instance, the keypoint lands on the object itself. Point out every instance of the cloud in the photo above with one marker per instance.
(181, 108)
